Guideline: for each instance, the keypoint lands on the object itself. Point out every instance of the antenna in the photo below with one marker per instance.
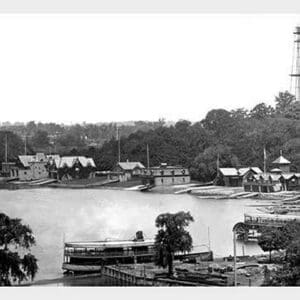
(295, 76)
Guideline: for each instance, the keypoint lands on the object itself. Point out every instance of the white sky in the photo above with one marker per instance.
(98, 68)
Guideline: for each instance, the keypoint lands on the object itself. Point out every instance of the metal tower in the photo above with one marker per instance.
(295, 76)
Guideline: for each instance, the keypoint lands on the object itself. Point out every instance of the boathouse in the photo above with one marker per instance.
(129, 169)
(32, 167)
(234, 176)
(71, 167)
(166, 175)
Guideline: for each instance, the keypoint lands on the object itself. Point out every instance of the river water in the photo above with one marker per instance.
(56, 215)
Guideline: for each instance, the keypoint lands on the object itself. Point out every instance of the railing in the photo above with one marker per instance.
(109, 254)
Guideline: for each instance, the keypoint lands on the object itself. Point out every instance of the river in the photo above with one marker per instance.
(56, 215)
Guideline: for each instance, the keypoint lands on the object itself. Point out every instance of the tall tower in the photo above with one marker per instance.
(295, 76)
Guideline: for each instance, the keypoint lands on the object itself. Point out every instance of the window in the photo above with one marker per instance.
(183, 179)
(162, 181)
(173, 180)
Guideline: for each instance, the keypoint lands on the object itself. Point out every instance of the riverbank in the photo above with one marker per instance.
(219, 272)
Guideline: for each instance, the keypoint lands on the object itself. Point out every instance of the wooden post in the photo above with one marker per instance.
(234, 256)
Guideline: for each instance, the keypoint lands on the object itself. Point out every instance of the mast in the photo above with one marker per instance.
(218, 164)
(148, 159)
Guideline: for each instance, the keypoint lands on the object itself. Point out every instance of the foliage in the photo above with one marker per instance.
(15, 145)
(172, 237)
(237, 136)
(272, 239)
(40, 139)
(13, 267)
(289, 273)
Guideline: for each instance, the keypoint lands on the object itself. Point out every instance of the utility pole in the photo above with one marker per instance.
(119, 145)
(208, 235)
(6, 148)
(265, 160)
(218, 164)
(25, 145)
(148, 159)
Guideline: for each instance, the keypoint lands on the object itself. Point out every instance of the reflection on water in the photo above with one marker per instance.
(56, 215)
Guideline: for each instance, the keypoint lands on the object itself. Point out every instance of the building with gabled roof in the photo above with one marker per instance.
(32, 167)
(71, 167)
(282, 163)
(235, 176)
(129, 168)
(164, 174)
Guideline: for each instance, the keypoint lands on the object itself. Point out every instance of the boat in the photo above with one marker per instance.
(84, 256)
(88, 257)
(253, 223)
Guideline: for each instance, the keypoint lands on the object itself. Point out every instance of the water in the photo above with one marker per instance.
(56, 215)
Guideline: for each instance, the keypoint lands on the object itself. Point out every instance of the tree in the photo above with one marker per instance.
(261, 111)
(284, 102)
(289, 273)
(40, 139)
(172, 237)
(13, 267)
(205, 164)
(272, 239)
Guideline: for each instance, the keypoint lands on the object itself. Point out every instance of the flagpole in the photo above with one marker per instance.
(265, 163)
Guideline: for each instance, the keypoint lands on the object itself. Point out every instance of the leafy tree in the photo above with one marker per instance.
(15, 145)
(172, 237)
(284, 102)
(272, 239)
(262, 111)
(205, 164)
(40, 139)
(15, 236)
(289, 273)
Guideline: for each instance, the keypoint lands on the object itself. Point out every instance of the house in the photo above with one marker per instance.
(9, 170)
(282, 164)
(166, 175)
(235, 176)
(32, 167)
(290, 181)
(129, 169)
(263, 183)
(71, 167)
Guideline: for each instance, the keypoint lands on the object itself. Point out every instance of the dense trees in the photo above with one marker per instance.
(288, 274)
(172, 237)
(272, 239)
(14, 236)
(237, 136)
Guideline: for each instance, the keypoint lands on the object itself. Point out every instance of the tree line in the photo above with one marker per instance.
(237, 137)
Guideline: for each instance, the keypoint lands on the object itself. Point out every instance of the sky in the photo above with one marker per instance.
(73, 68)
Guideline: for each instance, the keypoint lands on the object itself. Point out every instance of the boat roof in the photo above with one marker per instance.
(110, 244)
(274, 216)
